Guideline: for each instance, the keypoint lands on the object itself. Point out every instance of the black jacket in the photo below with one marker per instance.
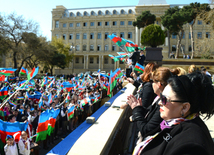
(135, 57)
(189, 138)
(142, 59)
(146, 120)
(146, 93)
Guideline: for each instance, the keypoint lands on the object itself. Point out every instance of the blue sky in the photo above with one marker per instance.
(40, 10)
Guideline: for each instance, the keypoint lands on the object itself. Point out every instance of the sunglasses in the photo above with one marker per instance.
(164, 99)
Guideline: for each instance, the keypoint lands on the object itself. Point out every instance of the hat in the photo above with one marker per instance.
(9, 137)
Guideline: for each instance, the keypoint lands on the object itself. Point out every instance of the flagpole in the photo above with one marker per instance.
(5, 101)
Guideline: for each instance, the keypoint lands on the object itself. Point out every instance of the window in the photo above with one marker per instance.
(199, 36)
(71, 36)
(83, 60)
(78, 24)
(190, 35)
(183, 35)
(106, 48)
(106, 35)
(199, 22)
(71, 24)
(64, 36)
(77, 36)
(92, 13)
(122, 12)
(64, 15)
(85, 13)
(129, 35)
(71, 14)
(129, 22)
(92, 24)
(97, 60)
(122, 23)
(114, 12)
(99, 23)
(91, 60)
(78, 14)
(190, 48)
(57, 36)
(84, 24)
(174, 48)
(56, 24)
(99, 13)
(114, 33)
(174, 36)
(157, 22)
(91, 47)
(121, 34)
(112, 61)
(191, 22)
(64, 25)
(207, 34)
(114, 23)
(107, 12)
(77, 48)
(106, 60)
(99, 36)
(113, 47)
(84, 35)
(130, 11)
(98, 48)
(106, 23)
(84, 47)
(92, 36)
(77, 60)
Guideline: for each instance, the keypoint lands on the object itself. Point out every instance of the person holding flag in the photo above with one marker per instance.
(10, 148)
(24, 144)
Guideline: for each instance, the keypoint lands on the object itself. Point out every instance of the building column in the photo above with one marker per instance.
(86, 62)
(115, 65)
(136, 35)
(84, 65)
(102, 61)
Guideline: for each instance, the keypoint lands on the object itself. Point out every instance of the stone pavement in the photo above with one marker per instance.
(210, 125)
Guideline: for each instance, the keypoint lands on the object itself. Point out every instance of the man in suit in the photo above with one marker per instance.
(142, 58)
(134, 57)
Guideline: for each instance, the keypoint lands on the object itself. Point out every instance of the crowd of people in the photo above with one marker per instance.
(53, 94)
(166, 110)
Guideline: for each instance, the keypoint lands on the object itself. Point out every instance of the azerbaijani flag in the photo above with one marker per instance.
(40, 103)
(33, 73)
(108, 91)
(20, 98)
(85, 101)
(7, 128)
(7, 71)
(2, 78)
(113, 57)
(90, 77)
(68, 98)
(70, 113)
(42, 128)
(2, 114)
(3, 92)
(13, 103)
(52, 120)
(139, 67)
(23, 71)
(117, 40)
(50, 98)
(129, 47)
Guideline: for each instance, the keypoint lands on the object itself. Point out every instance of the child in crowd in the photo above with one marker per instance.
(10, 148)
(24, 144)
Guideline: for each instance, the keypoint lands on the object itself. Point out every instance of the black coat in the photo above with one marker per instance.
(135, 57)
(142, 59)
(189, 138)
(146, 93)
(146, 120)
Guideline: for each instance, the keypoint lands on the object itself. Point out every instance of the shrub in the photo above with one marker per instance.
(152, 36)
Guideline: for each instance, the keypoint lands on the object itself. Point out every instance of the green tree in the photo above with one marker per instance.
(13, 26)
(145, 19)
(152, 36)
(62, 48)
(192, 12)
(174, 21)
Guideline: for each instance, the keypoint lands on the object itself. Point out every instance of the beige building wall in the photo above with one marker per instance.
(75, 24)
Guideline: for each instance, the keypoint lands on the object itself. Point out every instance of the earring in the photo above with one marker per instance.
(182, 114)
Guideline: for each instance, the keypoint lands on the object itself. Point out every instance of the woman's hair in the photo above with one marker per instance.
(196, 89)
(162, 74)
(150, 67)
(191, 69)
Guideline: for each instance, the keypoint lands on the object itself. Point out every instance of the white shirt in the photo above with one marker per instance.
(10, 150)
(22, 149)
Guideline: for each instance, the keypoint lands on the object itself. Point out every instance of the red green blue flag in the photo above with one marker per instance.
(117, 40)
(70, 113)
(52, 120)
(33, 73)
(3, 92)
(23, 71)
(139, 67)
(7, 71)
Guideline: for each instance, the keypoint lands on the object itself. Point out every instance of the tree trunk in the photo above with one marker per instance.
(15, 62)
(192, 39)
(179, 43)
(169, 44)
(51, 70)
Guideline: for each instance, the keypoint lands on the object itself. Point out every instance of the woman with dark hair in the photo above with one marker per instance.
(149, 119)
(182, 131)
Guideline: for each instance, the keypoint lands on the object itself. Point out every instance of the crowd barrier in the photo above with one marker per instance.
(97, 137)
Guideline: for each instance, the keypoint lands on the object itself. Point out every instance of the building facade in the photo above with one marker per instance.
(87, 30)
